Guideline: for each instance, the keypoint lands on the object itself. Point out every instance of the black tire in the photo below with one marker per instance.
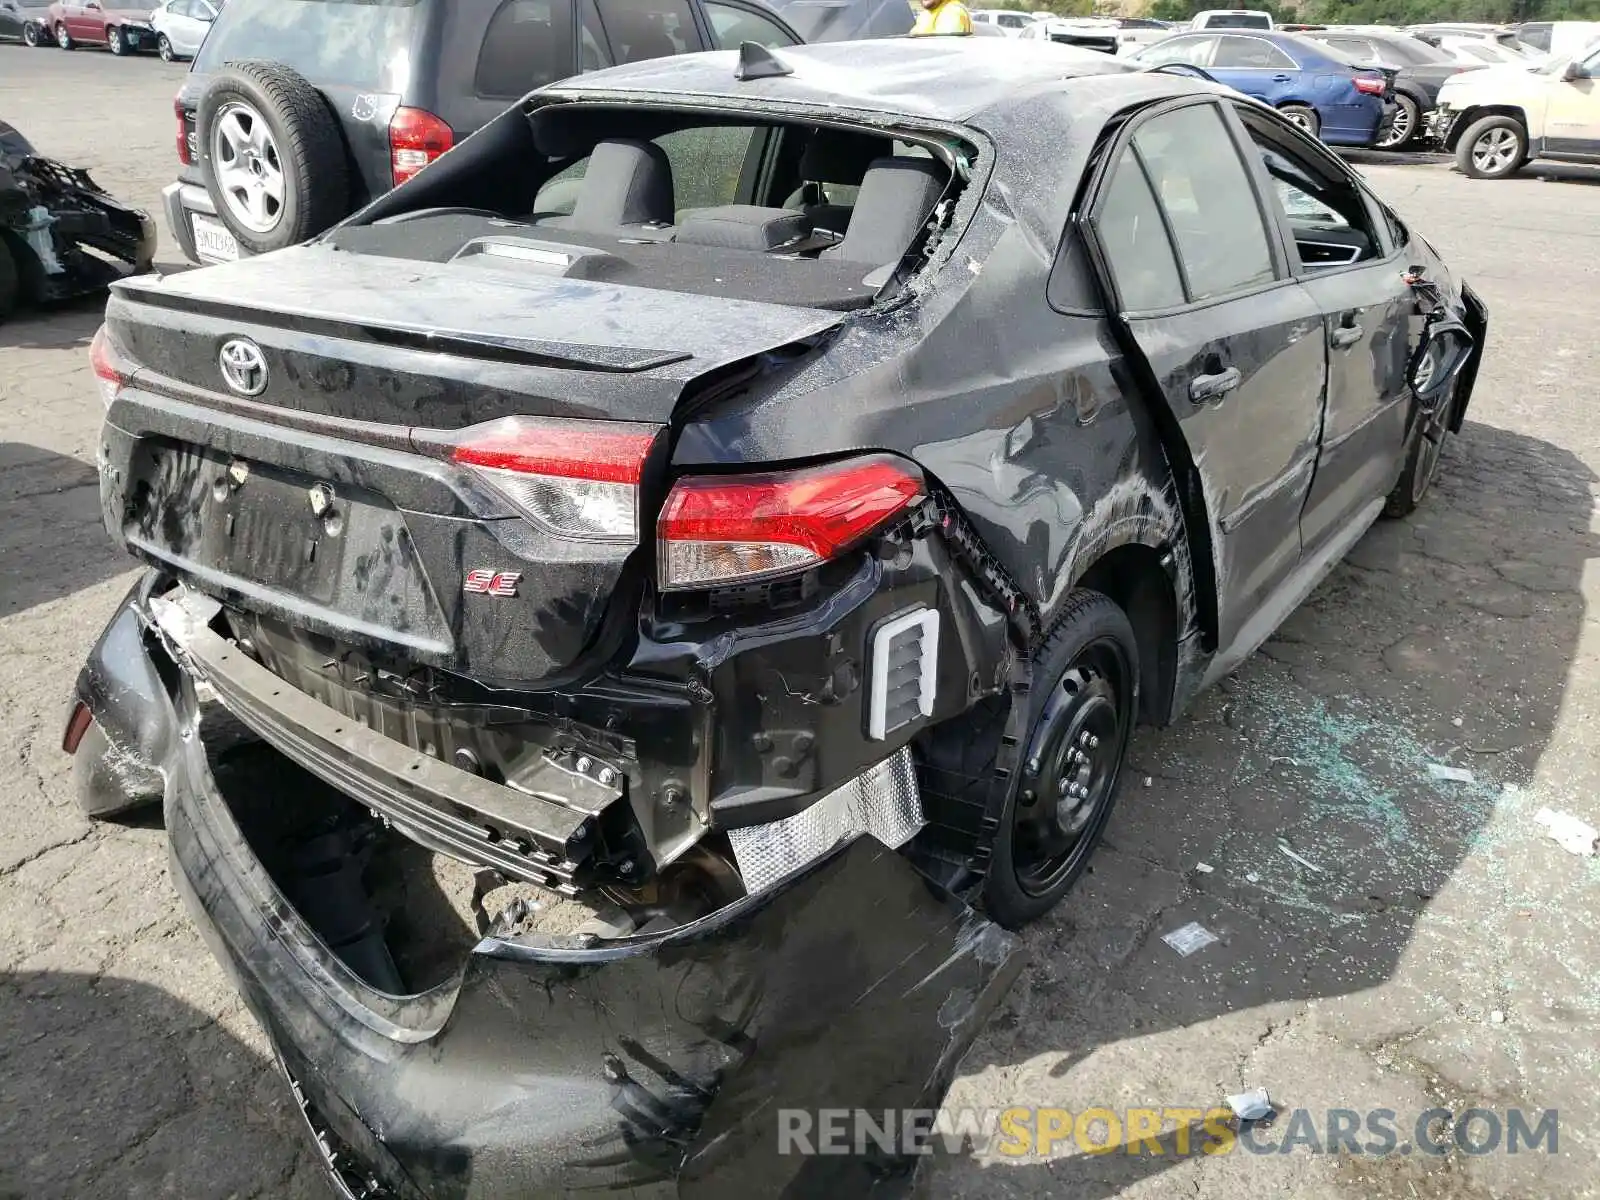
(1422, 463)
(1493, 147)
(30, 35)
(103, 787)
(164, 48)
(1304, 116)
(1408, 119)
(310, 151)
(1085, 686)
(64, 39)
(114, 42)
(10, 281)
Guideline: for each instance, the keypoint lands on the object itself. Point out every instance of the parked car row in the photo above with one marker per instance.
(174, 30)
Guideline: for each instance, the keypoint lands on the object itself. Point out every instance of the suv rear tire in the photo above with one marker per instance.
(1493, 147)
(277, 133)
(1081, 715)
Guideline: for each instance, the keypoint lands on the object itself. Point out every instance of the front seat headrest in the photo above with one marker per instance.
(896, 196)
(627, 182)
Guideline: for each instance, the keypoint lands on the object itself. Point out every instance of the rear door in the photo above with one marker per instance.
(10, 19)
(1255, 67)
(1346, 258)
(1231, 341)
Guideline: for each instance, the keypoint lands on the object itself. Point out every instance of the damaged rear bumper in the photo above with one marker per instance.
(659, 1063)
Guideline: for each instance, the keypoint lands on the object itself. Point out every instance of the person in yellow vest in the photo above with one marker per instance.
(941, 17)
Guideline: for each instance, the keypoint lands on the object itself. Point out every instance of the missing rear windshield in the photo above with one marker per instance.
(789, 212)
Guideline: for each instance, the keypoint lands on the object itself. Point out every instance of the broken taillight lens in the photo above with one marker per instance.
(185, 151)
(111, 370)
(717, 530)
(416, 138)
(573, 479)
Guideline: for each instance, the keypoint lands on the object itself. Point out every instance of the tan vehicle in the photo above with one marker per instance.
(1496, 120)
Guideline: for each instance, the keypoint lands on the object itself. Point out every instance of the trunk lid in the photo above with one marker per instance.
(333, 489)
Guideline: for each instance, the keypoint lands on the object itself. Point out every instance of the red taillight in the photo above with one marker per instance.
(416, 138)
(717, 530)
(184, 155)
(109, 367)
(568, 451)
(574, 479)
(1370, 87)
(77, 725)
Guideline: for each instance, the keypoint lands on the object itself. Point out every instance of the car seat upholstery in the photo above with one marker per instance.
(896, 196)
(627, 183)
(834, 156)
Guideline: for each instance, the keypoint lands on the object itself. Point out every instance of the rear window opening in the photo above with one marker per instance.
(785, 212)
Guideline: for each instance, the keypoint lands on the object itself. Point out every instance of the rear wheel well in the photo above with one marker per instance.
(1134, 578)
(1463, 122)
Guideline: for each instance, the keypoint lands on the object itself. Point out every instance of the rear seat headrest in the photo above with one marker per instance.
(627, 182)
(840, 156)
(896, 197)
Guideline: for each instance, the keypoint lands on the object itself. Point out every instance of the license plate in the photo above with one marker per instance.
(212, 242)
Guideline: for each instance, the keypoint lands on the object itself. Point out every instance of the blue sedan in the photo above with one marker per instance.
(1327, 96)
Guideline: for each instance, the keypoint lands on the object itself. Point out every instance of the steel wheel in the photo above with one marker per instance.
(248, 169)
(1495, 151)
(1406, 118)
(1071, 770)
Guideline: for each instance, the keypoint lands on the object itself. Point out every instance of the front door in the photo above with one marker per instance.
(1572, 120)
(1232, 342)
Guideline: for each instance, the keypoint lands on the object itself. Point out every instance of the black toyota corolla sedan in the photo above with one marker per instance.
(621, 605)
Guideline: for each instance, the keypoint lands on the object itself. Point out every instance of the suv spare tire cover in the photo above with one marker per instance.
(299, 141)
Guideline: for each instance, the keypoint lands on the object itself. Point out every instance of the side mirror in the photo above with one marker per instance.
(1575, 71)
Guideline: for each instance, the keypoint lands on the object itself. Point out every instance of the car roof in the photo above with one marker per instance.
(949, 79)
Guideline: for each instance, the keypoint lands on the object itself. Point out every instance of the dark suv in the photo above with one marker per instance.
(298, 112)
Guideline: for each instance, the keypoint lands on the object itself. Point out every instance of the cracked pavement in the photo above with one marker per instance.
(1369, 979)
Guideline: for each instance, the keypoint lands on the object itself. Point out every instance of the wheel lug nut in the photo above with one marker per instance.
(1093, 741)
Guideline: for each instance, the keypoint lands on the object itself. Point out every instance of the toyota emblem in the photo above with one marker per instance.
(243, 368)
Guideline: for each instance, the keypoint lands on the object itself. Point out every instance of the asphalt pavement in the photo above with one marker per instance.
(1386, 940)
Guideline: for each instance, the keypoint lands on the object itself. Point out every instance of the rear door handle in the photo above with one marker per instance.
(1214, 387)
(1346, 336)
(1283, 79)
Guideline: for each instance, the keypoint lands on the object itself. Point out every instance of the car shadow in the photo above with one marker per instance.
(111, 1087)
(67, 323)
(1294, 816)
(59, 326)
(52, 539)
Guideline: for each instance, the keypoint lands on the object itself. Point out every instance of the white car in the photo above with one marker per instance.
(1232, 18)
(1483, 52)
(1009, 21)
(1496, 120)
(181, 26)
(1562, 39)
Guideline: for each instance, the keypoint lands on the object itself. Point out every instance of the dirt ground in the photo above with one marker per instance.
(1439, 951)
